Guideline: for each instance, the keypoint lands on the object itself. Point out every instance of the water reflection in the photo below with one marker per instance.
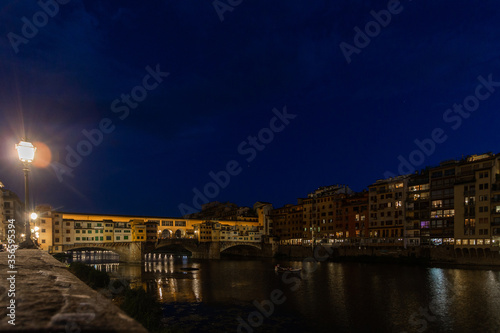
(348, 297)
(173, 278)
(93, 256)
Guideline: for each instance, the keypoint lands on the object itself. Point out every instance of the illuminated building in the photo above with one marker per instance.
(417, 209)
(387, 210)
(442, 211)
(358, 219)
(477, 203)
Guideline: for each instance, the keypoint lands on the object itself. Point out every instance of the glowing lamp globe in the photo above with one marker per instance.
(26, 151)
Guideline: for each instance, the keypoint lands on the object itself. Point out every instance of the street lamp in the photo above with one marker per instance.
(26, 152)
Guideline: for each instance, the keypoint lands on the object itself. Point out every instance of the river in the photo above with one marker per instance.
(245, 295)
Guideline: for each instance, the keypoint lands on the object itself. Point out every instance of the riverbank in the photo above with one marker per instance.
(435, 257)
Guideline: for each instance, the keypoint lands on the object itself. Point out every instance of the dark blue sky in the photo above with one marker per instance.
(353, 119)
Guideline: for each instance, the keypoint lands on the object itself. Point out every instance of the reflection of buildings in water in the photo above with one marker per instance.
(108, 261)
(93, 256)
(107, 267)
(170, 281)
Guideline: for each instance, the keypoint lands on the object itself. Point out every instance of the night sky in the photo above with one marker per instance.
(286, 95)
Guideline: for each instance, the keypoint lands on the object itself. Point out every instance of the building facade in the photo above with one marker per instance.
(476, 206)
(418, 209)
(387, 210)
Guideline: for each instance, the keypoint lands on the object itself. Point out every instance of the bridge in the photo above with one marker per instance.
(135, 251)
(128, 251)
(204, 250)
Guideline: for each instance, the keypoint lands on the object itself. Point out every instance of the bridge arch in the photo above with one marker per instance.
(166, 234)
(128, 252)
(179, 233)
(227, 245)
(177, 244)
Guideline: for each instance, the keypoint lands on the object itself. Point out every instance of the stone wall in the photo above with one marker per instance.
(46, 297)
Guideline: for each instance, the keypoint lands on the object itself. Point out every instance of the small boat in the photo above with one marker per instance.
(280, 269)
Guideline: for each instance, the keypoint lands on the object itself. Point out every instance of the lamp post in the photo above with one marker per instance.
(26, 152)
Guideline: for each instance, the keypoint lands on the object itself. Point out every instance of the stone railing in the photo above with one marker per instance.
(39, 294)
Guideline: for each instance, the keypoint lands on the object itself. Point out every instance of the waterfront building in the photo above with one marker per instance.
(358, 219)
(455, 203)
(417, 220)
(323, 214)
(97, 229)
(152, 231)
(442, 216)
(213, 231)
(288, 223)
(138, 230)
(12, 208)
(476, 195)
(226, 211)
(495, 213)
(42, 227)
(263, 210)
(387, 211)
(122, 232)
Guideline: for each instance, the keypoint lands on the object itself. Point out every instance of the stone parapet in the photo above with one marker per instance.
(44, 296)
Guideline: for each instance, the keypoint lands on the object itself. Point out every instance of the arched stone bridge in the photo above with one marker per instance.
(204, 250)
(227, 245)
(128, 252)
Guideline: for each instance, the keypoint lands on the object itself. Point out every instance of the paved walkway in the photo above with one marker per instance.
(44, 297)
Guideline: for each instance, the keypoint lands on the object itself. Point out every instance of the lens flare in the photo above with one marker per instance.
(43, 155)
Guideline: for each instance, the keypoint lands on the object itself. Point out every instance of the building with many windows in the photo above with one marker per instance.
(324, 216)
(42, 227)
(417, 209)
(213, 231)
(95, 229)
(12, 208)
(456, 203)
(387, 210)
(476, 195)
(288, 223)
(442, 216)
(357, 214)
